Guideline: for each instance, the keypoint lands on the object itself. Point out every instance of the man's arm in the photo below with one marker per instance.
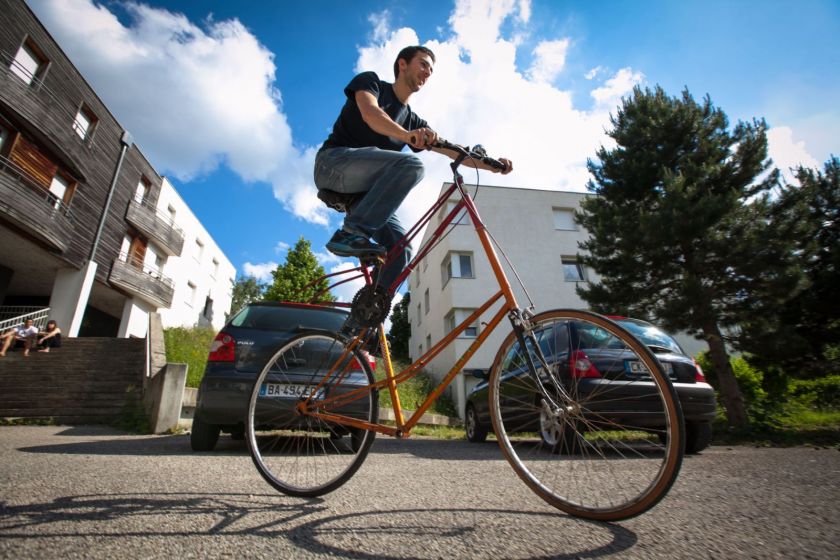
(379, 121)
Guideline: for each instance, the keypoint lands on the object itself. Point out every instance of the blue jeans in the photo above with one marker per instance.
(386, 177)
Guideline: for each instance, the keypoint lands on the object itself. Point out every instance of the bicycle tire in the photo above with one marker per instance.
(605, 458)
(299, 454)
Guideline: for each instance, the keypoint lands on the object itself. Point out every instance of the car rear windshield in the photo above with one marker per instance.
(269, 317)
(651, 335)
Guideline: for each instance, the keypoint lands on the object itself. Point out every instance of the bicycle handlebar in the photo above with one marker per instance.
(477, 153)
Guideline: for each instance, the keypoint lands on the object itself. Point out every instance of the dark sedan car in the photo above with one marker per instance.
(696, 396)
(239, 353)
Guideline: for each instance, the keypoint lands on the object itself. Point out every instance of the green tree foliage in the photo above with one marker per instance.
(678, 229)
(297, 278)
(799, 330)
(245, 290)
(400, 328)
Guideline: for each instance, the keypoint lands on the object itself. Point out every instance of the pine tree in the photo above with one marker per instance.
(802, 324)
(297, 278)
(678, 229)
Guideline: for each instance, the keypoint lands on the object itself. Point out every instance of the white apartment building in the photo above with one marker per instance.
(203, 277)
(537, 231)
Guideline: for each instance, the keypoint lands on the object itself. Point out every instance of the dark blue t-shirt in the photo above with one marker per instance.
(351, 131)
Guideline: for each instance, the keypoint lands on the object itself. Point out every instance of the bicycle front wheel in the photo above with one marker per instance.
(598, 433)
(297, 453)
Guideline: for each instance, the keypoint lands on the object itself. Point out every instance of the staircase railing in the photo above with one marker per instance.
(12, 316)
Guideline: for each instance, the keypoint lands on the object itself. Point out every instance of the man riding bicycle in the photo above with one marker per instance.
(363, 155)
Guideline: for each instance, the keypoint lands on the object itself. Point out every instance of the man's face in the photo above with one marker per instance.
(29, 323)
(416, 72)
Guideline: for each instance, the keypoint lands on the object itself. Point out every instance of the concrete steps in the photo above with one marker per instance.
(86, 380)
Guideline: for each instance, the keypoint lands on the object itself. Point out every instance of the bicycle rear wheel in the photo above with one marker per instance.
(299, 454)
(599, 433)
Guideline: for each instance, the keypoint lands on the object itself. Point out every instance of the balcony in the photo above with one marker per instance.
(27, 205)
(142, 281)
(155, 226)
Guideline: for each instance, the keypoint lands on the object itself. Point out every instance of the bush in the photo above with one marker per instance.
(189, 346)
(823, 393)
(414, 391)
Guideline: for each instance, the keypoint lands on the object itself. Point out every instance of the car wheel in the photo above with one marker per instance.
(203, 436)
(698, 436)
(476, 433)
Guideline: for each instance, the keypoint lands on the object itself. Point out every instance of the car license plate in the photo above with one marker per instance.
(289, 391)
(639, 368)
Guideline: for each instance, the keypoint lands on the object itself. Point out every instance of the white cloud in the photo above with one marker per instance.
(615, 88)
(194, 97)
(260, 271)
(549, 59)
(281, 247)
(593, 72)
(788, 153)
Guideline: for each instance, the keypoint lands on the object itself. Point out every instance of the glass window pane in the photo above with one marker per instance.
(564, 219)
(466, 266)
(26, 64)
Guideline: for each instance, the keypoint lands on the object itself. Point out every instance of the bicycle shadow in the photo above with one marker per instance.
(304, 524)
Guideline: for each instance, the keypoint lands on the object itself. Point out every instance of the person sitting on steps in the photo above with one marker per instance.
(50, 338)
(22, 336)
(363, 154)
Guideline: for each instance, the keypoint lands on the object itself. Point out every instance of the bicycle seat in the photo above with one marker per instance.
(340, 202)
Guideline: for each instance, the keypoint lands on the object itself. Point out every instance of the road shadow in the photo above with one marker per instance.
(308, 525)
(107, 441)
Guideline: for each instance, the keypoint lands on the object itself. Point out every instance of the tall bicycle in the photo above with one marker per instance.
(582, 410)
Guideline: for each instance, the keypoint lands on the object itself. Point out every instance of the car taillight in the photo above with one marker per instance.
(582, 366)
(698, 373)
(222, 349)
(356, 366)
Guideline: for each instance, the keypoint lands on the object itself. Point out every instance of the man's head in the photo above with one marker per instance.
(408, 54)
(28, 323)
(51, 325)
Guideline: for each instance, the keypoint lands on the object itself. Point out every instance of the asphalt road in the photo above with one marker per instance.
(92, 492)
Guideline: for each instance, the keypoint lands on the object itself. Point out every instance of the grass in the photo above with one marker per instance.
(414, 391)
(189, 346)
(797, 425)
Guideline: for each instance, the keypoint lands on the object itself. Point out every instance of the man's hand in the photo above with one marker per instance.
(508, 166)
(421, 138)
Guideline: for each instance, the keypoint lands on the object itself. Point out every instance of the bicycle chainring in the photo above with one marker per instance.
(370, 307)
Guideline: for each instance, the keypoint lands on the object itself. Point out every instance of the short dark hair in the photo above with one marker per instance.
(408, 54)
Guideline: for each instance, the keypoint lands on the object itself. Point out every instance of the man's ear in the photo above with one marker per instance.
(402, 64)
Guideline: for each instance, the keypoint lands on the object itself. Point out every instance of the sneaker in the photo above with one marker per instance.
(345, 244)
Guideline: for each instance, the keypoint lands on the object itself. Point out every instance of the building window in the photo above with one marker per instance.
(456, 265)
(428, 342)
(191, 290)
(455, 318)
(461, 219)
(419, 350)
(85, 122)
(215, 268)
(61, 188)
(426, 301)
(419, 315)
(4, 134)
(29, 63)
(141, 193)
(207, 312)
(564, 219)
(199, 250)
(572, 270)
(171, 212)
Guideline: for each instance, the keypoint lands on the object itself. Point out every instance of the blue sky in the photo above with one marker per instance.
(231, 99)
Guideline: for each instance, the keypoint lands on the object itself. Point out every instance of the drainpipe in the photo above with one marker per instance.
(126, 142)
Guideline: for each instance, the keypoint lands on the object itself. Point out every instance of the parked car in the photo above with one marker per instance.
(238, 354)
(696, 396)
